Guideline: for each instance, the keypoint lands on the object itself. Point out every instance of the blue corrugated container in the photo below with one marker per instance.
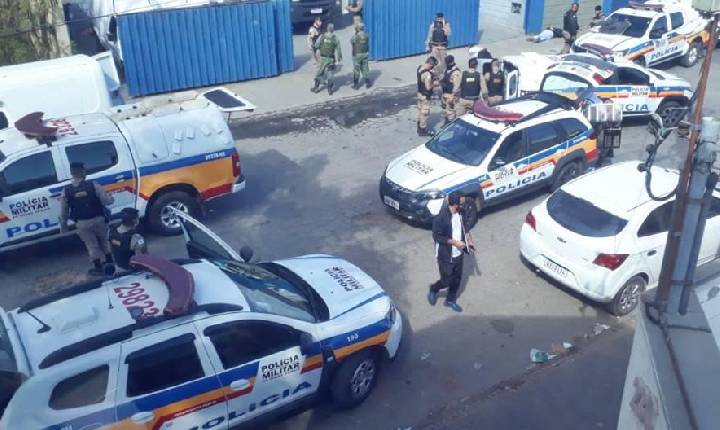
(398, 28)
(175, 49)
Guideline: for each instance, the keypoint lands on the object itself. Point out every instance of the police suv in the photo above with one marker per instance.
(492, 155)
(639, 90)
(208, 342)
(649, 33)
(152, 158)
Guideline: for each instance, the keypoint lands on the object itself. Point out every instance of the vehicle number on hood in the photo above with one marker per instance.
(344, 279)
(134, 298)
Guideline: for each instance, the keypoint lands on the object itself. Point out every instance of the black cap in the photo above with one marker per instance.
(129, 214)
(450, 60)
(432, 60)
(439, 15)
(454, 199)
(473, 62)
(598, 8)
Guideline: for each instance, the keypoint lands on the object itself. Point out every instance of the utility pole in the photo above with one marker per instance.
(677, 260)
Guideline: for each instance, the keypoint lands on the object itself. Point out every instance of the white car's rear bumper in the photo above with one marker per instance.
(590, 280)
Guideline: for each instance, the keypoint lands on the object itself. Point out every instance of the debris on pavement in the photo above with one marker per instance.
(477, 366)
(425, 356)
(539, 356)
(567, 345)
(599, 328)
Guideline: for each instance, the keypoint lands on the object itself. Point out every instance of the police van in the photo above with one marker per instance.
(649, 33)
(152, 158)
(492, 155)
(208, 342)
(638, 90)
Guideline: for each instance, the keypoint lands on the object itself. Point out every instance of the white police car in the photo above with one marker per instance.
(649, 33)
(208, 343)
(639, 90)
(492, 155)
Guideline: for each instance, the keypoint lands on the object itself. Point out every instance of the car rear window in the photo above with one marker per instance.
(582, 217)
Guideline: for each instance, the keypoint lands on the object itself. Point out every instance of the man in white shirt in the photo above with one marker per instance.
(450, 244)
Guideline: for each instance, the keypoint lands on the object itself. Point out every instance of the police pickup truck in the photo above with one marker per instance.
(492, 155)
(152, 159)
(208, 342)
(649, 33)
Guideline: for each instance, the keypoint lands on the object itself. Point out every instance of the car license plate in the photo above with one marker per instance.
(392, 203)
(556, 269)
(316, 10)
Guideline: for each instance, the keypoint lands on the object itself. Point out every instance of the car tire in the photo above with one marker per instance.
(568, 172)
(671, 112)
(471, 211)
(692, 55)
(355, 378)
(627, 299)
(158, 216)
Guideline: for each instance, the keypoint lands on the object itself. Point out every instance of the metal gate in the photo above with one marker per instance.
(399, 28)
(173, 49)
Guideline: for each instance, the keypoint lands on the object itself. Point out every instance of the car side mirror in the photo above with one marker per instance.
(656, 34)
(246, 253)
(306, 342)
(497, 162)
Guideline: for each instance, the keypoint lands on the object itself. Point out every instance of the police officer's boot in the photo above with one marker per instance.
(315, 87)
(368, 84)
(97, 269)
(356, 83)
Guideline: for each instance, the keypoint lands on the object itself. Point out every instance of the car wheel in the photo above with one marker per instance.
(160, 216)
(671, 112)
(628, 297)
(470, 211)
(568, 172)
(355, 379)
(692, 55)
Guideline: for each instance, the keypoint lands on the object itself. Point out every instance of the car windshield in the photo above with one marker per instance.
(582, 217)
(626, 25)
(463, 143)
(267, 292)
(564, 84)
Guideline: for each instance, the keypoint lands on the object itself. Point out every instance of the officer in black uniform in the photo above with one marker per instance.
(125, 240)
(495, 83)
(85, 203)
(472, 87)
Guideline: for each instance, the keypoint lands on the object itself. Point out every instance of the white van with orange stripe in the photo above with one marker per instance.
(208, 342)
(154, 159)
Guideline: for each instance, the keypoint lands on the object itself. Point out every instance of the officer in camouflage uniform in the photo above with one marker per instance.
(450, 84)
(360, 42)
(328, 45)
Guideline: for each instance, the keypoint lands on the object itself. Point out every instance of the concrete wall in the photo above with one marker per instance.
(499, 12)
(555, 9)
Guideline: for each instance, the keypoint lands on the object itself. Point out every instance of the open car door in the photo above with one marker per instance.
(201, 242)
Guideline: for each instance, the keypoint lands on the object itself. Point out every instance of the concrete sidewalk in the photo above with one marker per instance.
(292, 90)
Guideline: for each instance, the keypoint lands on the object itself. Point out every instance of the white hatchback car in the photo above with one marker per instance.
(603, 236)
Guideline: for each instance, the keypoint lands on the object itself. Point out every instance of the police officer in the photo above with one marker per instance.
(314, 33)
(570, 26)
(125, 240)
(355, 7)
(360, 47)
(495, 80)
(328, 46)
(437, 41)
(425, 86)
(85, 203)
(450, 87)
(472, 87)
(598, 18)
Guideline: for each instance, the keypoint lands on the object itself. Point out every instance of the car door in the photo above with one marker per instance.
(279, 363)
(634, 90)
(167, 381)
(507, 166)
(29, 196)
(652, 238)
(544, 151)
(109, 163)
(512, 82)
(658, 34)
(201, 242)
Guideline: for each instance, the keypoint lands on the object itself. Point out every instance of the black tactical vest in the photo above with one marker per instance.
(470, 85)
(421, 85)
(120, 245)
(82, 201)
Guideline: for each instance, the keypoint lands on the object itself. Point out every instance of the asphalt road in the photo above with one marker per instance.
(312, 187)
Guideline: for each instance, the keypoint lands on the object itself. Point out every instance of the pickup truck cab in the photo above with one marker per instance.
(154, 159)
(649, 34)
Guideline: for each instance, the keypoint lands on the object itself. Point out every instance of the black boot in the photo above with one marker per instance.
(330, 87)
(368, 84)
(97, 269)
(356, 83)
(315, 87)
(424, 132)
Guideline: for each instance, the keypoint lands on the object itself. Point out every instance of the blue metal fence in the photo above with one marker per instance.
(174, 49)
(399, 28)
(611, 5)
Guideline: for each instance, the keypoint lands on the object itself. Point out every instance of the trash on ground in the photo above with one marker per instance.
(539, 356)
(599, 328)
(477, 366)
(425, 356)
(567, 345)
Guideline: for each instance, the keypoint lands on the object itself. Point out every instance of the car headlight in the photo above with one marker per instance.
(391, 314)
(431, 195)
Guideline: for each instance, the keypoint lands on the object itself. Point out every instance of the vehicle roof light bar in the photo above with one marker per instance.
(33, 127)
(180, 282)
(493, 114)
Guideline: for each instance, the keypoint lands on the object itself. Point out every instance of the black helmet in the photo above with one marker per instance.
(450, 60)
(432, 60)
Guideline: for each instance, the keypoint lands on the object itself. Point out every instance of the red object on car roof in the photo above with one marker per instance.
(482, 110)
(180, 282)
(32, 125)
